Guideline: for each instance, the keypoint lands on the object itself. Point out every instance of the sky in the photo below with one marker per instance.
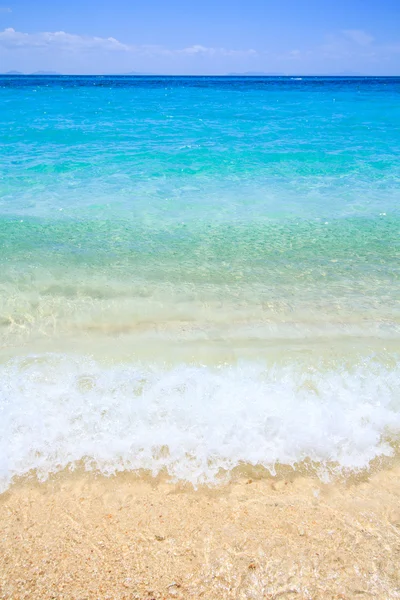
(194, 37)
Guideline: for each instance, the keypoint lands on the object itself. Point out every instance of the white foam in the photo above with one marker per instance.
(192, 421)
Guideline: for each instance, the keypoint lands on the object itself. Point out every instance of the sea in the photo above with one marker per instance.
(199, 276)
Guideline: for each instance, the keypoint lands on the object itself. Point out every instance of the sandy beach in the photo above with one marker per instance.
(199, 279)
(84, 536)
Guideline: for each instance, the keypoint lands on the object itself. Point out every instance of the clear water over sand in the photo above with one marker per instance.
(198, 273)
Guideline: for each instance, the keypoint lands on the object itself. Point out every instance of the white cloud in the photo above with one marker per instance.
(358, 36)
(350, 49)
(197, 49)
(5, 9)
(11, 39)
(203, 50)
(60, 40)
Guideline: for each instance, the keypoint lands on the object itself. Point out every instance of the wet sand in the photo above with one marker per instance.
(85, 536)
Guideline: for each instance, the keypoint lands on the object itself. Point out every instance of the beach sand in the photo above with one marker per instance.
(79, 535)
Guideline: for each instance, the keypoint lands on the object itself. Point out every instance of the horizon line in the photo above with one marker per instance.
(249, 75)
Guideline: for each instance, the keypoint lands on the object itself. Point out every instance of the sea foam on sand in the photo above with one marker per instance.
(192, 422)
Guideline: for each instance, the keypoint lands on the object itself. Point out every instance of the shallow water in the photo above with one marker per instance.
(206, 271)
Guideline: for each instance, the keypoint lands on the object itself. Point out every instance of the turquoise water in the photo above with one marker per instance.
(207, 266)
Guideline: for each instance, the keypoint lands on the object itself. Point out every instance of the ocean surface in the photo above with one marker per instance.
(199, 276)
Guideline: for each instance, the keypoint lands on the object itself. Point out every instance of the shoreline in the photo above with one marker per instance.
(82, 535)
(199, 281)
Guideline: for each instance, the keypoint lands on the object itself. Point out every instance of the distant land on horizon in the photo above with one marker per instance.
(35, 73)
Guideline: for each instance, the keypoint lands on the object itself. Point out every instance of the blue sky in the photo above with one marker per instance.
(201, 36)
